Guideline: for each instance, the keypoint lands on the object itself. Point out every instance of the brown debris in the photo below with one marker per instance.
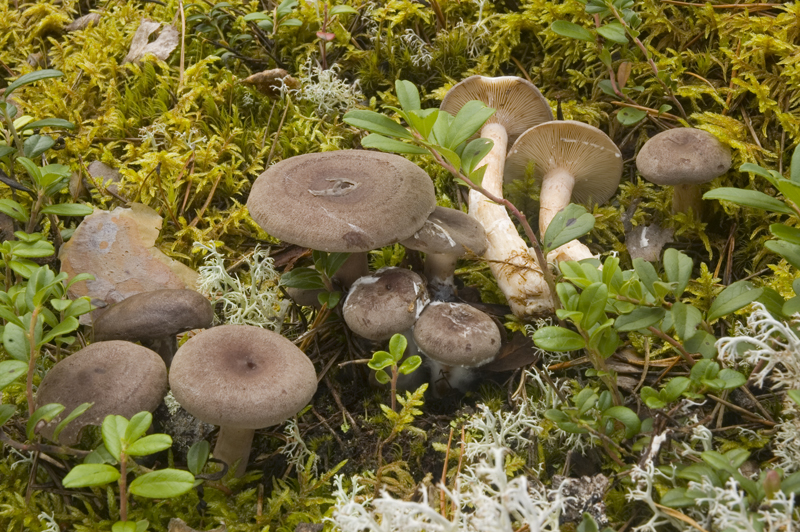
(269, 82)
(161, 48)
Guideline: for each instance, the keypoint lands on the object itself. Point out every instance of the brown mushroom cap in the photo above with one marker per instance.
(152, 315)
(587, 153)
(119, 377)
(449, 231)
(518, 103)
(344, 201)
(384, 303)
(242, 376)
(457, 334)
(683, 156)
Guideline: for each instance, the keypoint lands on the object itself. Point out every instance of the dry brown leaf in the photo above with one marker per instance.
(161, 48)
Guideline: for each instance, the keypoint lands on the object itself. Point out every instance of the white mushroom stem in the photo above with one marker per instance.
(556, 194)
(445, 378)
(234, 445)
(512, 263)
(439, 271)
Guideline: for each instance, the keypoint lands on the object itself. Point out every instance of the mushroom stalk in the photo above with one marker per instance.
(556, 194)
(685, 197)
(355, 267)
(512, 264)
(439, 271)
(234, 445)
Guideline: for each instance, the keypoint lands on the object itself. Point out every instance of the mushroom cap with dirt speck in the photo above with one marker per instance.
(155, 314)
(683, 156)
(120, 378)
(588, 154)
(457, 334)
(449, 231)
(242, 376)
(385, 303)
(517, 102)
(342, 201)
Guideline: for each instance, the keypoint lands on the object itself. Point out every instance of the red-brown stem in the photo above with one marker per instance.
(32, 359)
(678, 347)
(123, 492)
(395, 375)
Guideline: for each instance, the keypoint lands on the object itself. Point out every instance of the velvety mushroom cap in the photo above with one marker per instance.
(242, 376)
(343, 201)
(588, 154)
(457, 334)
(119, 377)
(152, 315)
(449, 231)
(519, 104)
(683, 156)
(384, 303)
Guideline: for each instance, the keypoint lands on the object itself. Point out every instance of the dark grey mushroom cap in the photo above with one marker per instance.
(457, 334)
(153, 315)
(242, 377)
(683, 156)
(119, 377)
(343, 201)
(384, 303)
(518, 103)
(449, 231)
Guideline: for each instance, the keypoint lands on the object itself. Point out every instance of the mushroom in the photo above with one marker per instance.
(519, 105)
(343, 201)
(447, 235)
(572, 160)
(456, 337)
(119, 377)
(684, 158)
(241, 378)
(155, 318)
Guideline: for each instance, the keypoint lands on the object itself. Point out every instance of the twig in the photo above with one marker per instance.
(442, 501)
(674, 343)
(742, 411)
(41, 447)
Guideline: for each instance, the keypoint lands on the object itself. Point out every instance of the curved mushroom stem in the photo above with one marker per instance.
(355, 267)
(512, 264)
(685, 197)
(165, 347)
(445, 378)
(439, 271)
(234, 445)
(556, 193)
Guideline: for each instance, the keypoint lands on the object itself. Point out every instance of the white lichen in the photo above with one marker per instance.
(325, 89)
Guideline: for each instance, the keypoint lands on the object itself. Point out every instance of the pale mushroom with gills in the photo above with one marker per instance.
(343, 201)
(241, 378)
(572, 160)
(684, 158)
(519, 105)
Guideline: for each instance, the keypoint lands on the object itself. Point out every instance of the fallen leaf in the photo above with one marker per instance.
(161, 48)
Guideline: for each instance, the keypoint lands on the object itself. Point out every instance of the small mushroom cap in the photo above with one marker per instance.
(519, 104)
(587, 153)
(120, 378)
(344, 201)
(457, 334)
(449, 231)
(153, 315)
(384, 303)
(242, 376)
(683, 156)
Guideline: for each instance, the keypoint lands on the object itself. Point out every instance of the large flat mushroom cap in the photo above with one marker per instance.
(342, 201)
(518, 103)
(449, 231)
(587, 153)
(683, 156)
(153, 315)
(457, 334)
(242, 377)
(120, 378)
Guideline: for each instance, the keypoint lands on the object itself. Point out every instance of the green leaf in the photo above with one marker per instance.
(397, 346)
(376, 123)
(5, 150)
(14, 210)
(33, 250)
(592, 304)
(451, 157)
(647, 274)
(703, 343)
(794, 395)
(303, 279)
(291, 22)
(558, 339)
(88, 475)
(382, 377)
(285, 7)
(572, 31)
(77, 411)
(410, 364)
(468, 121)
(733, 379)
(258, 16)
(677, 498)
(15, 341)
(379, 142)
(784, 232)
(640, 318)
(343, 10)
(123, 526)
(162, 484)
(65, 327)
(113, 429)
(675, 387)
(789, 189)
(748, 198)
(380, 360)
(736, 296)
(68, 209)
(49, 122)
(628, 116)
(474, 152)
(197, 456)
(652, 398)
(29, 78)
(36, 145)
(43, 413)
(613, 31)
(685, 319)
(329, 299)
(153, 443)
(787, 250)
(627, 417)
(571, 222)
(794, 168)
(407, 92)
(137, 426)
(678, 268)
(6, 413)
(11, 370)
(440, 128)
(423, 120)
(758, 170)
